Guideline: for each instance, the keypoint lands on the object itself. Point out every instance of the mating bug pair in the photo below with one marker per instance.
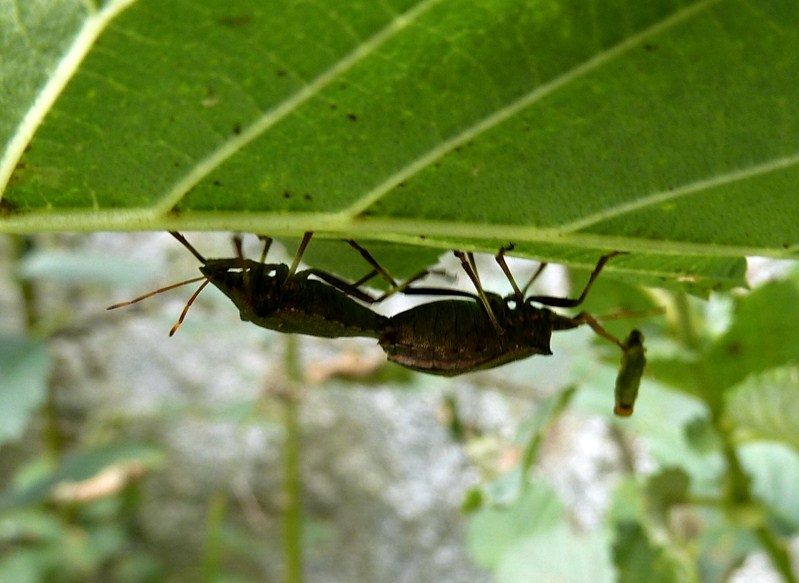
(445, 337)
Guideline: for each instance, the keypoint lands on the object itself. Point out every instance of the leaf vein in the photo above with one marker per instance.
(693, 188)
(500, 115)
(65, 69)
(270, 118)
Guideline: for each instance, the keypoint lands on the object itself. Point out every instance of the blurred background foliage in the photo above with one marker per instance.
(700, 483)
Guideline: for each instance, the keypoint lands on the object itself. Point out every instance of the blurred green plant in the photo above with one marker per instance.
(718, 416)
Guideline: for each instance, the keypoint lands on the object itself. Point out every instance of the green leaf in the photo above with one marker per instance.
(665, 489)
(766, 406)
(443, 123)
(73, 267)
(559, 555)
(774, 470)
(762, 336)
(24, 369)
(76, 467)
(24, 566)
(492, 531)
(638, 558)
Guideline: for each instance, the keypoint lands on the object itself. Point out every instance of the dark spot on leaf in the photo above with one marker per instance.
(734, 349)
(457, 148)
(308, 197)
(333, 106)
(402, 184)
(423, 237)
(286, 194)
(235, 21)
(176, 164)
(367, 213)
(237, 128)
(786, 245)
(649, 47)
(8, 208)
(18, 173)
(210, 98)
(352, 117)
(174, 211)
(281, 73)
(27, 148)
(217, 183)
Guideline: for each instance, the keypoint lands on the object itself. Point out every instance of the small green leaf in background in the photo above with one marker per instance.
(494, 530)
(665, 489)
(24, 372)
(76, 267)
(75, 467)
(638, 558)
(763, 335)
(774, 469)
(558, 555)
(766, 406)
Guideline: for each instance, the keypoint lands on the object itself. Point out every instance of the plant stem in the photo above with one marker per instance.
(738, 490)
(292, 485)
(739, 493)
(51, 435)
(211, 559)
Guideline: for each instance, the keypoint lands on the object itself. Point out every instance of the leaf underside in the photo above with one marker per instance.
(664, 128)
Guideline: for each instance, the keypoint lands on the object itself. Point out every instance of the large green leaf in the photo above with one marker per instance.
(662, 127)
(766, 406)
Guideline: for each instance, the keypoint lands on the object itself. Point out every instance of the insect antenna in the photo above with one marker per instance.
(188, 305)
(155, 292)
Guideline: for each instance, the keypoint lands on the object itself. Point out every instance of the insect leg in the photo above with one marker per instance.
(187, 245)
(534, 277)
(306, 238)
(341, 285)
(245, 273)
(379, 269)
(586, 318)
(572, 302)
(500, 258)
(376, 267)
(440, 291)
(468, 264)
(267, 244)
